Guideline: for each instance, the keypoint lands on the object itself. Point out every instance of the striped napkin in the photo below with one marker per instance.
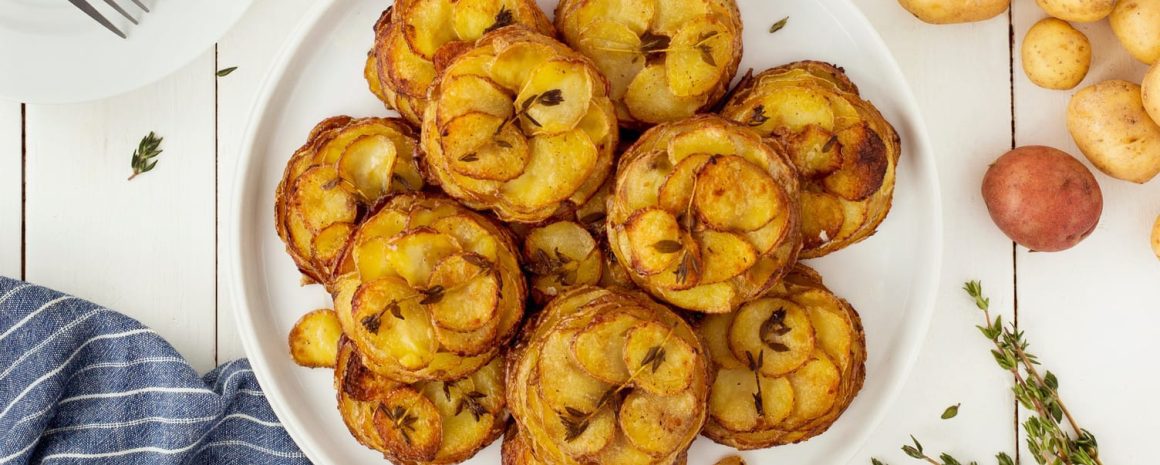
(84, 384)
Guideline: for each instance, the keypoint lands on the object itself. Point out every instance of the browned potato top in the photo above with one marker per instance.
(415, 38)
(429, 290)
(844, 150)
(704, 214)
(666, 60)
(521, 125)
(787, 364)
(605, 376)
(346, 165)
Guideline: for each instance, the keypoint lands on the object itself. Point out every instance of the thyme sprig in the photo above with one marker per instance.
(654, 47)
(1053, 434)
(576, 421)
(428, 296)
(503, 18)
(403, 420)
(549, 98)
(561, 267)
(144, 157)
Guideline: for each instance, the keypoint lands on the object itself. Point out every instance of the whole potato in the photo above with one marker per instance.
(1056, 55)
(1042, 198)
(1137, 25)
(1156, 237)
(1111, 128)
(1080, 11)
(955, 11)
(1150, 92)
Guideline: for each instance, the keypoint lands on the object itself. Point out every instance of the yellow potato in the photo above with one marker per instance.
(955, 11)
(1150, 92)
(1080, 11)
(314, 339)
(1111, 127)
(1137, 24)
(1056, 55)
(1156, 237)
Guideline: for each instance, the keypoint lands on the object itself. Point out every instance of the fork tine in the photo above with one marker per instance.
(141, 5)
(121, 10)
(97, 16)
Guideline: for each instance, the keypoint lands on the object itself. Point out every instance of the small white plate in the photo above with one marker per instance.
(890, 278)
(52, 52)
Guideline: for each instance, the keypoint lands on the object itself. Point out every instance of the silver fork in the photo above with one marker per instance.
(84, 6)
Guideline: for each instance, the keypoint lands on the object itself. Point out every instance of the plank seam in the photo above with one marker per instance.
(216, 201)
(1014, 246)
(23, 191)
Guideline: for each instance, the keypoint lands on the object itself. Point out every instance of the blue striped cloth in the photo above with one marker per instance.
(84, 384)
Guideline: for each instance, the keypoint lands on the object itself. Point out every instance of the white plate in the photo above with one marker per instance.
(54, 53)
(890, 278)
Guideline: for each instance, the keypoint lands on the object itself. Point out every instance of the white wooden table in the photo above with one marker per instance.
(152, 248)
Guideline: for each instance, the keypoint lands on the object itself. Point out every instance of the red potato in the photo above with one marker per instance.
(1042, 198)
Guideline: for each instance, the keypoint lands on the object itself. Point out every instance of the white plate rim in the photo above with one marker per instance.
(898, 370)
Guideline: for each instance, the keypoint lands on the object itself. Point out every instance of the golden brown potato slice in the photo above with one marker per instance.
(353, 379)
(815, 387)
(314, 339)
(467, 134)
(658, 424)
(515, 63)
(649, 98)
(832, 326)
(733, 400)
(331, 241)
(599, 123)
(425, 25)
(410, 425)
(677, 192)
(563, 384)
(731, 460)
(795, 108)
(672, 15)
(558, 164)
(643, 177)
(555, 96)
(501, 159)
(615, 48)
(620, 450)
(822, 218)
(412, 254)
(723, 255)
(579, 433)
(655, 240)
(471, 18)
(711, 140)
(714, 331)
(409, 72)
(698, 56)
(662, 362)
(392, 323)
(561, 255)
(464, 93)
(367, 163)
(815, 151)
(469, 292)
(864, 164)
(321, 198)
(733, 194)
(635, 15)
(775, 332)
(599, 348)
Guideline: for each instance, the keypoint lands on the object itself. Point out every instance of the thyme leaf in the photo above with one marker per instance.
(758, 117)
(654, 357)
(144, 157)
(668, 246)
(778, 25)
(503, 18)
(226, 72)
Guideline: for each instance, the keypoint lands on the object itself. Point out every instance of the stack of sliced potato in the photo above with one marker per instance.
(346, 165)
(606, 377)
(787, 364)
(430, 290)
(844, 150)
(428, 422)
(665, 59)
(415, 38)
(704, 214)
(521, 125)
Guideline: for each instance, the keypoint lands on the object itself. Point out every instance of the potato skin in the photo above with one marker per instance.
(1156, 237)
(1112, 129)
(1042, 198)
(1056, 55)
(955, 11)
(1080, 11)
(1137, 25)
(1150, 92)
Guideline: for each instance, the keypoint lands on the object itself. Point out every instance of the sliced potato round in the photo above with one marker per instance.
(615, 48)
(710, 140)
(815, 151)
(467, 134)
(864, 164)
(658, 424)
(471, 18)
(599, 348)
(676, 194)
(555, 96)
(601, 430)
(698, 56)
(563, 384)
(714, 331)
(469, 296)
(367, 163)
(469, 92)
(391, 323)
(662, 362)
(515, 63)
(822, 218)
(775, 334)
(411, 254)
(321, 199)
(425, 25)
(558, 164)
(331, 241)
(723, 255)
(672, 15)
(732, 194)
(733, 400)
(409, 424)
(649, 98)
(470, 234)
(655, 239)
(815, 387)
(314, 339)
(635, 15)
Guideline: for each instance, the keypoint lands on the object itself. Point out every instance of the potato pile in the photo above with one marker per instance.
(414, 39)
(666, 60)
(787, 364)
(845, 152)
(521, 125)
(506, 184)
(345, 166)
(604, 376)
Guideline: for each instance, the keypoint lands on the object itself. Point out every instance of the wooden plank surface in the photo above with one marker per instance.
(1091, 312)
(960, 76)
(143, 247)
(252, 46)
(10, 187)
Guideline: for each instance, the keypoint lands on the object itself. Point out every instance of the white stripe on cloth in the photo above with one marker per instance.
(8, 458)
(62, 330)
(64, 364)
(4, 298)
(33, 314)
(226, 383)
(139, 421)
(289, 455)
(140, 361)
(252, 392)
(109, 395)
